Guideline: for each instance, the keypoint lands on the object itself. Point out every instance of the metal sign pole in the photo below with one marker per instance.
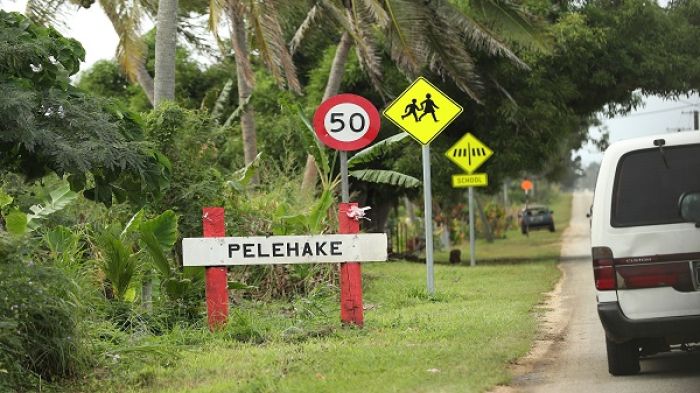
(344, 183)
(472, 237)
(428, 203)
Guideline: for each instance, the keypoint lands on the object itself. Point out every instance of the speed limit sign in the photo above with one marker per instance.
(346, 122)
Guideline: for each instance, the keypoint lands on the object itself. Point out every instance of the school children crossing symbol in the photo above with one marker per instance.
(423, 111)
(469, 153)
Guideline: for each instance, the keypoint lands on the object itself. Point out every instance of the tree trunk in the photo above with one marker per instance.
(166, 44)
(484, 220)
(335, 77)
(245, 87)
(410, 210)
(142, 76)
(379, 214)
(145, 81)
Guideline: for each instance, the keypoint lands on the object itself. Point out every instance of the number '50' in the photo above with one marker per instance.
(356, 121)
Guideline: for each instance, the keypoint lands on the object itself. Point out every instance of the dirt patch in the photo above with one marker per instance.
(552, 329)
(556, 313)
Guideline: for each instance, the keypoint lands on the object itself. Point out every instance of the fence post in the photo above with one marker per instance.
(216, 276)
(351, 311)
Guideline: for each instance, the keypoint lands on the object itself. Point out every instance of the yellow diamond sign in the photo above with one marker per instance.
(469, 153)
(422, 110)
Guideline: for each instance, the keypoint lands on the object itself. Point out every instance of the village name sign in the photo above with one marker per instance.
(260, 250)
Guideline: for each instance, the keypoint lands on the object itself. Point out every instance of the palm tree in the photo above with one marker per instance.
(125, 17)
(258, 20)
(419, 35)
(166, 45)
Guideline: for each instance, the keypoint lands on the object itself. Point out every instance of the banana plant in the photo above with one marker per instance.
(144, 244)
(366, 156)
(20, 223)
(158, 237)
(118, 263)
(65, 246)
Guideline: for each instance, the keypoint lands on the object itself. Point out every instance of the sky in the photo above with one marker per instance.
(657, 116)
(89, 26)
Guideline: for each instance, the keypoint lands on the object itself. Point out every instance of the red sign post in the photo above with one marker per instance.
(216, 276)
(348, 122)
(351, 308)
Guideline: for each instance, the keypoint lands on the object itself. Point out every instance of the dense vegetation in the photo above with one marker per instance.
(97, 188)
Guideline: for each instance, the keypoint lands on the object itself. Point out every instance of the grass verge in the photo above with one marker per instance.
(516, 247)
(460, 340)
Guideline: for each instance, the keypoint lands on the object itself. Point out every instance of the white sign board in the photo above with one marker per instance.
(222, 251)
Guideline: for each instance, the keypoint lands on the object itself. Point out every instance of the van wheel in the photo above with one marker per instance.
(551, 228)
(623, 359)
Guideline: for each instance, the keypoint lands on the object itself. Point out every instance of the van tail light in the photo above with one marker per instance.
(603, 268)
(641, 272)
(667, 274)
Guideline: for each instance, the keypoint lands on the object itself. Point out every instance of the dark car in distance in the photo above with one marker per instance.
(536, 217)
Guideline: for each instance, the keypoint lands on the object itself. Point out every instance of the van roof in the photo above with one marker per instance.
(647, 142)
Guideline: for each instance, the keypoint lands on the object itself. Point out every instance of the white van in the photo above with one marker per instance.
(645, 239)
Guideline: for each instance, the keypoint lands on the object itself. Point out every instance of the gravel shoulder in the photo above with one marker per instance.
(569, 353)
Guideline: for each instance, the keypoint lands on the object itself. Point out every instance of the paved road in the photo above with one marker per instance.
(576, 362)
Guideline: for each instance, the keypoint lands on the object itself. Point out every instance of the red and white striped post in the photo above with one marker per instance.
(216, 276)
(351, 311)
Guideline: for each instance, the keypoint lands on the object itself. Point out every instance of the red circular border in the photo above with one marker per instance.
(366, 139)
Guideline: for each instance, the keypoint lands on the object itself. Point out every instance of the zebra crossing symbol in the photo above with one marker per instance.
(469, 153)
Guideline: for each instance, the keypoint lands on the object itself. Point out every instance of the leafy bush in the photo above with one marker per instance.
(193, 143)
(39, 335)
(497, 219)
(47, 125)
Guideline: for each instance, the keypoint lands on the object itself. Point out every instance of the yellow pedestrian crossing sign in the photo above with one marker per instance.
(469, 153)
(422, 110)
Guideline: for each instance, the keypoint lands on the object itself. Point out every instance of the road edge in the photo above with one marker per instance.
(553, 325)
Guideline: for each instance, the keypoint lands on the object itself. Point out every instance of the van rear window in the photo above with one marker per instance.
(648, 185)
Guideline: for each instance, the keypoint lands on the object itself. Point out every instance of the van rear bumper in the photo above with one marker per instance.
(619, 328)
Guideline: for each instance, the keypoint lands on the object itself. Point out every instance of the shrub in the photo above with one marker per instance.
(39, 338)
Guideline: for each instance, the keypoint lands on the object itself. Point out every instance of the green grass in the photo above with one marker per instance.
(461, 340)
(537, 245)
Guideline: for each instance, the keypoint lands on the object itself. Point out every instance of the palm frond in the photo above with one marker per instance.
(220, 105)
(449, 56)
(404, 34)
(511, 20)
(313, 146)
(243, 176)
(126, 20)
(377, 12)
(337, 14)
(241, 107)
(216, 9)
(271, 33)
(46, 12)
(376, 151)
(365, 47)
(478, 35)
(314, 13)
(387, 177)
(239, 38)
